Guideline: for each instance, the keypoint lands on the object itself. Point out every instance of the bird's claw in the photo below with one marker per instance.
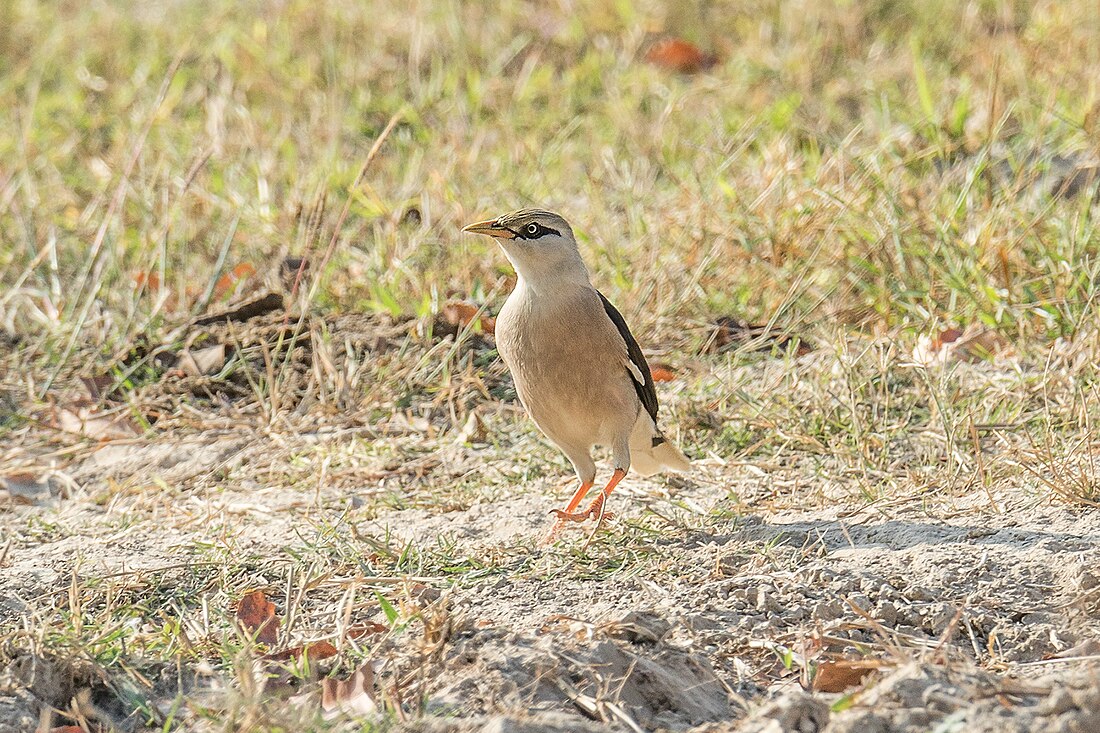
(571, 517)
(593, 512)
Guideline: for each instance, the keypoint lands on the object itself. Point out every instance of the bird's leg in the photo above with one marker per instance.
(568, 514)
(595, 509)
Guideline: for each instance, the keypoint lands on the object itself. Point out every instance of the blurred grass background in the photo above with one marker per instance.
(874, 164)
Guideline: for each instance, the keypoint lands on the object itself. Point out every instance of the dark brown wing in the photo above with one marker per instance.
(647, 392)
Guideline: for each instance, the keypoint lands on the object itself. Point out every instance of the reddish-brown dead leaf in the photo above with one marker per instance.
(358, 631)
(676, 54)
(257, 614)
(24, 488)
(947, 336)
(229, 281)
(354, 696)
(148, 281)
(842, 674)
(316, 651)
(67, 729)
(459, 314)
(662, 372)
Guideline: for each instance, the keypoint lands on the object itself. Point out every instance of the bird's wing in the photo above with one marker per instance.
(636, 364)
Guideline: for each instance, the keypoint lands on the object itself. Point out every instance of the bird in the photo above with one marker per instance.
(578, 371)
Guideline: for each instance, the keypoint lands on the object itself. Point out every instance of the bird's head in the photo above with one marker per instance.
(539, 244)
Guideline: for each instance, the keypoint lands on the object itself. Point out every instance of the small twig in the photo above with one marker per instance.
(1064, 660)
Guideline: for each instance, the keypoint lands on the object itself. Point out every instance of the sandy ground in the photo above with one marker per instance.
(711, 603)
(961, 601)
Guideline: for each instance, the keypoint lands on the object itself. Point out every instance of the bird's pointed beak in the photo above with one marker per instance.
(491, 228)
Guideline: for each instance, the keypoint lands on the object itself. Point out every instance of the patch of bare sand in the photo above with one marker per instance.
(686, 619)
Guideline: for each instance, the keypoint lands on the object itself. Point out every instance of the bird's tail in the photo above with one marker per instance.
(651, 452)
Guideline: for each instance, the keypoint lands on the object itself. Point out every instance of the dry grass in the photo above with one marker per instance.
(855, 175)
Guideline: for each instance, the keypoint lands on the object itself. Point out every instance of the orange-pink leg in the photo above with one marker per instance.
(568, 514)
(595, 509)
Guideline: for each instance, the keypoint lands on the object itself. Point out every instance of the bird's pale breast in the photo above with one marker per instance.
(567, 362)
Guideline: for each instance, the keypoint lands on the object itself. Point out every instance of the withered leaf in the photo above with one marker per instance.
(842, 674)
(353, 696)
(203, 362)
(676, 54)
(83, 419)
(974, 343)
(358, 631)
(98, 387)
(1087, 648)
(459, 314)
(315, 650)
(662, 373)
(257, 615)
(473, 431)
(24, 488)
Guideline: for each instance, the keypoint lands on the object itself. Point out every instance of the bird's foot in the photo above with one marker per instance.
(564, 517)
(594, 511)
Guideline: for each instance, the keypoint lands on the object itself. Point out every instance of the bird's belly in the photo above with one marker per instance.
(581, 406)
(568, 378)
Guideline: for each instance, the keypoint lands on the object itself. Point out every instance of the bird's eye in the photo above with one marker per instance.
(532, 229)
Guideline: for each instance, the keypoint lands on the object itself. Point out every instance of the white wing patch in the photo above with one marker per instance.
(635, 372)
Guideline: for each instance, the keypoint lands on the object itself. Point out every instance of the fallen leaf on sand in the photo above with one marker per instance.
(662, 373)
(83, 419)
(229, 281)
(203, 362)
(676, 54)
(369, 628)
(316, 651)
(841, 674)
(24, 488)
(257, 615)
(459, 314)
(974, 343)
(353, 696)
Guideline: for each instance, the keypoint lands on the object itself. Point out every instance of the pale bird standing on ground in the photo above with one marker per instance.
(578, 370)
